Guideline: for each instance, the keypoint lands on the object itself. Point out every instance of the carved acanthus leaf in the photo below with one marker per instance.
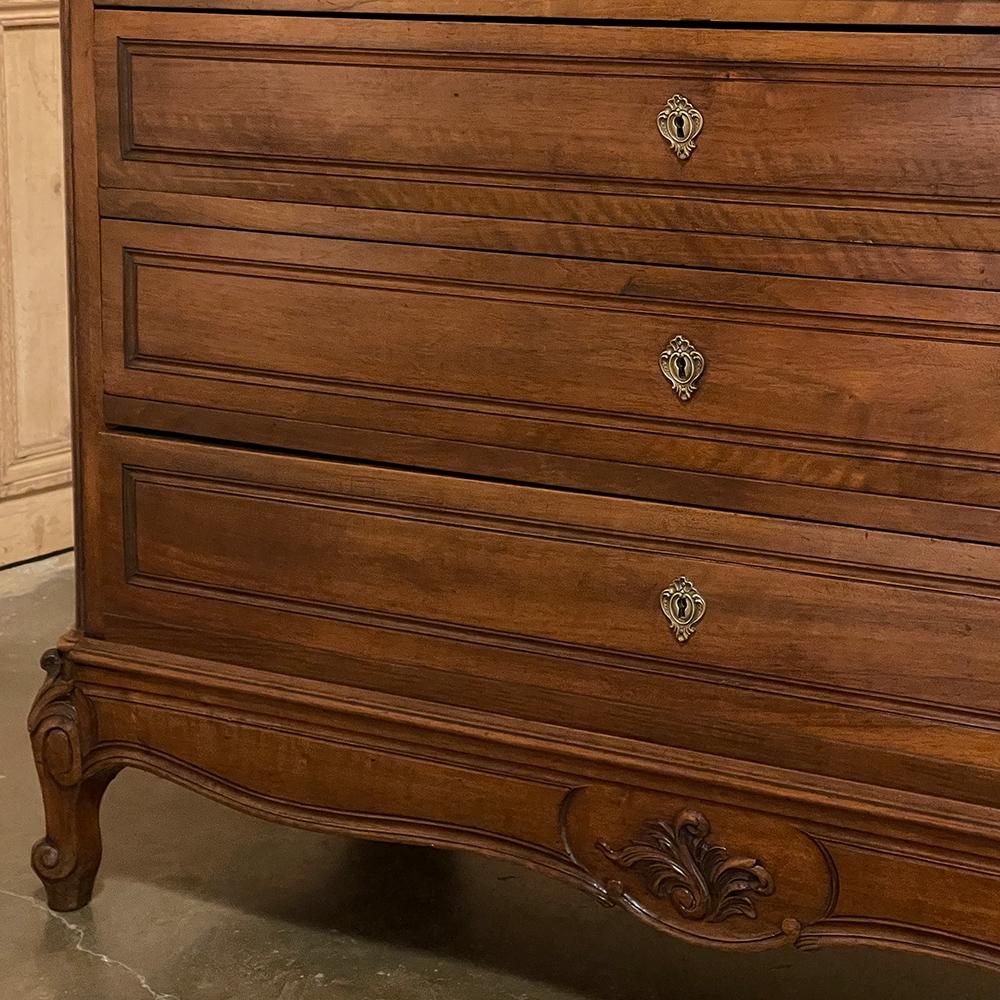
(677, 862)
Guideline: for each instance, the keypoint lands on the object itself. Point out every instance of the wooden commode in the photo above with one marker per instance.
(563, 430)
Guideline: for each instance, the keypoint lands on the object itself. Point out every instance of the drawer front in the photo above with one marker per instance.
(975, 13)
(583, 596)
(339, 331)
(214, 103)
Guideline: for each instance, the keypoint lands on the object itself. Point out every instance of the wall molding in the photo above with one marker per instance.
(25, 13)
(35, 463)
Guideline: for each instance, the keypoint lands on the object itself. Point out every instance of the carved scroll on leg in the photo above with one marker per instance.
(66, 859)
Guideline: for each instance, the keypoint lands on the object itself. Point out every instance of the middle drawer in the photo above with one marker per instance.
(818, 383)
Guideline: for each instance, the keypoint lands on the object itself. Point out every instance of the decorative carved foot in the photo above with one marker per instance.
(67, 858)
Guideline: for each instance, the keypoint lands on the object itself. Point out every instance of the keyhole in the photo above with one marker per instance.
(682, 365)
(679, 126)
(682, 607)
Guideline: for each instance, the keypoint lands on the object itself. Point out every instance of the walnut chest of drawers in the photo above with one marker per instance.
(564, 430)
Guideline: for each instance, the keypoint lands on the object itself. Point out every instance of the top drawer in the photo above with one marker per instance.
(537, 120)
(981, 13)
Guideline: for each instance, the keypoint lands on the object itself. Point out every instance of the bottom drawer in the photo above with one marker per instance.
(825, 647)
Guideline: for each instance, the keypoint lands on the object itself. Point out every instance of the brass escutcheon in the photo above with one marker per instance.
(680, 122)
(683, 606)
(682, 365)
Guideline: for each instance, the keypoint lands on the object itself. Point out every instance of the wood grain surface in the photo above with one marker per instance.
(196, 103)
(931, 13)
(381, 485)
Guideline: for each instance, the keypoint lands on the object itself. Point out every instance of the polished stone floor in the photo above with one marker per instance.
(198, 902)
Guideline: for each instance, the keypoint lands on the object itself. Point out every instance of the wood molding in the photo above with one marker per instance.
(28, 13)
(35, 507)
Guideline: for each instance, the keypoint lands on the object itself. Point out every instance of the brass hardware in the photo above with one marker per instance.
(680, 123)
(683, 606)
(682, 365)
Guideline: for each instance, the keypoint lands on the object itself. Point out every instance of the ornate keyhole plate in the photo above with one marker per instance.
(680, 123)
(682, 365)
(683, 606)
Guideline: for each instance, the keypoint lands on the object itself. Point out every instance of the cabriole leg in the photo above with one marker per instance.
(66, 859)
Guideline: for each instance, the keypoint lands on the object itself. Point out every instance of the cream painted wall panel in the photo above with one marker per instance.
(35, 501)
(34, 134)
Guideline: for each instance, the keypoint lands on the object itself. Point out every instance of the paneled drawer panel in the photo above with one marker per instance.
(545, 589)
(340, 331)
(210, 103)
